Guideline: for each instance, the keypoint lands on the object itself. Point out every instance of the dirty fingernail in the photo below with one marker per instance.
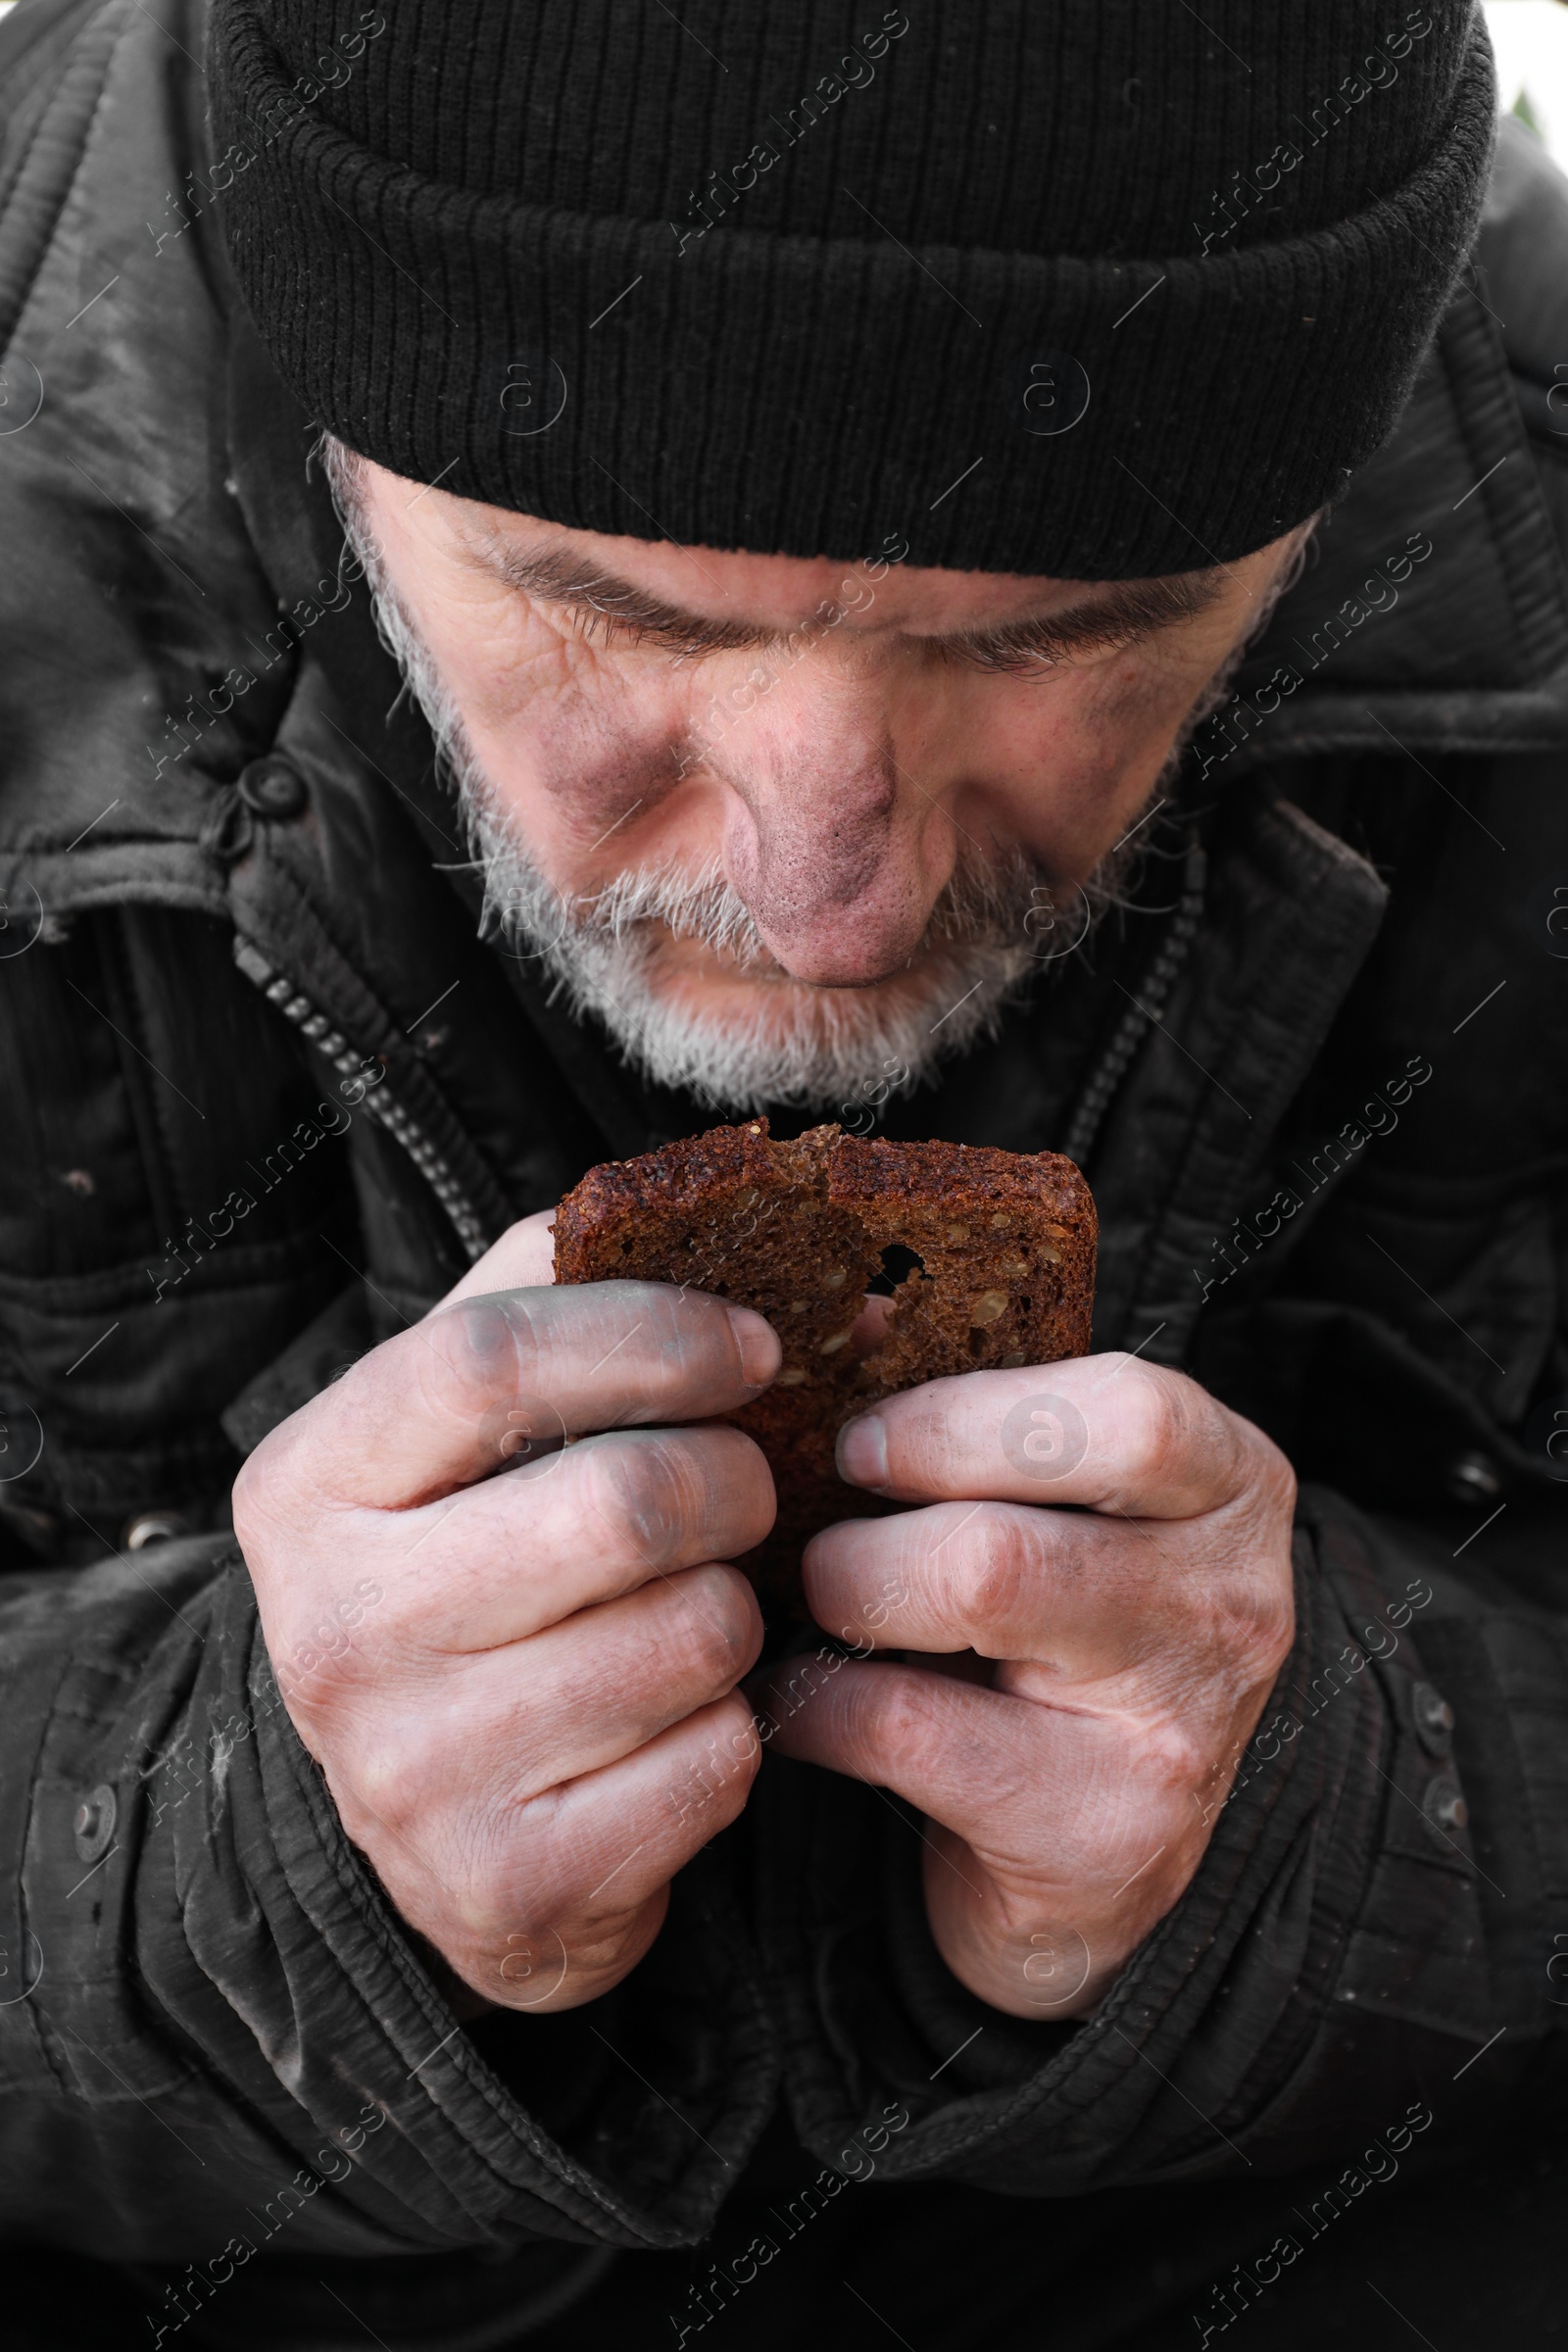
(862, 1452)
(758, 1342)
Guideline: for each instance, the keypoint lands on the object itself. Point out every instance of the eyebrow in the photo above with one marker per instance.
(1125, 612)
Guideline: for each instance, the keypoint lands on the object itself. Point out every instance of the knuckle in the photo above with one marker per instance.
(1176, 1754)
(252, 1503)
(679, 1490)
(992, 1574)
(249, 1494)
(386, 1784)
(742, 1740)
(902, 1720)
(646, 1490)
(470, 1354)
(294, 1476)
(1273, 1478)
(721, 1626)
(273, 1491)
(1157, 1424)
(316, 1675)
(1267, 1607)
(716, 1769)
(1148, 1773)
(333, 1619)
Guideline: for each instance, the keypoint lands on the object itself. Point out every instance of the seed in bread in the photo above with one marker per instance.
(991, 1256)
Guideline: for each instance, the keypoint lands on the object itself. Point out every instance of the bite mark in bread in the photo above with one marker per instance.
(991, 1254)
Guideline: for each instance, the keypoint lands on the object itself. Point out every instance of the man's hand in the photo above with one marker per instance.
(517, 1666)
(1072, 1787)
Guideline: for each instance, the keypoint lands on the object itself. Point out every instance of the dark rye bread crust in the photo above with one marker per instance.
(798, 1231)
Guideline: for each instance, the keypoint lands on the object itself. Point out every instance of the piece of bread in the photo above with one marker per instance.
(991, 1254)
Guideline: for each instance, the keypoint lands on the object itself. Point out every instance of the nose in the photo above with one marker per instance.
(836, 853)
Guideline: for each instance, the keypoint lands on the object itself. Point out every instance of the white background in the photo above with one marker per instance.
(1530, 39)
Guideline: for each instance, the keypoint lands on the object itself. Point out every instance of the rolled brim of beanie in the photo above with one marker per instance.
(984, 410)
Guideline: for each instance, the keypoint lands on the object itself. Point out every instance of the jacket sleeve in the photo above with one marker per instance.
(1378, 1932)
(212, 2024)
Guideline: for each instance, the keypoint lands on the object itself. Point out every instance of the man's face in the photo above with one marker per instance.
(871, 771)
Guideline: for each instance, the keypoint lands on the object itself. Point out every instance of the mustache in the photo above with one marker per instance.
(985, 902)
(777, 1042)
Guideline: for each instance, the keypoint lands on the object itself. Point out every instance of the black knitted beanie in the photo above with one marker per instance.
(1094, 288)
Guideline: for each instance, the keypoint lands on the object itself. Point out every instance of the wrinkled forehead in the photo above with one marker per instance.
(740, 597)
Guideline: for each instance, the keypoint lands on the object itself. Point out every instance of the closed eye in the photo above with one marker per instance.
(608, 610)
(1133, 611)
(1029, 649)
(607, 622)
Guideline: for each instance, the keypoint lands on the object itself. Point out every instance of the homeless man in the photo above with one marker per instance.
(985, 573)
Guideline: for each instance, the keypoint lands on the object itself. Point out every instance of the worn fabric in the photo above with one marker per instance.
(1102, 288)
(266, 1095)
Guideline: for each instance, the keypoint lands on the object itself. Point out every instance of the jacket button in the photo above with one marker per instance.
(1473, 1477)
(1434, 1719)
(152, 1527)
(274, 787)
(1443, 1805)
(94, 1825)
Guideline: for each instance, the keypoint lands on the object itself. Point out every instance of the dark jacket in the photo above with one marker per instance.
(266, 1094)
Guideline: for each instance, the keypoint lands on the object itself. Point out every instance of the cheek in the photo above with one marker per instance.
(1070, 760)
(571, 742)
(570, 767)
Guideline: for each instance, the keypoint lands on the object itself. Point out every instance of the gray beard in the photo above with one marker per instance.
(822, 1049)
(998, 922)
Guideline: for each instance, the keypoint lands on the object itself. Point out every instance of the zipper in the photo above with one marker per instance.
(1145, 1010)
(316, 1025)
